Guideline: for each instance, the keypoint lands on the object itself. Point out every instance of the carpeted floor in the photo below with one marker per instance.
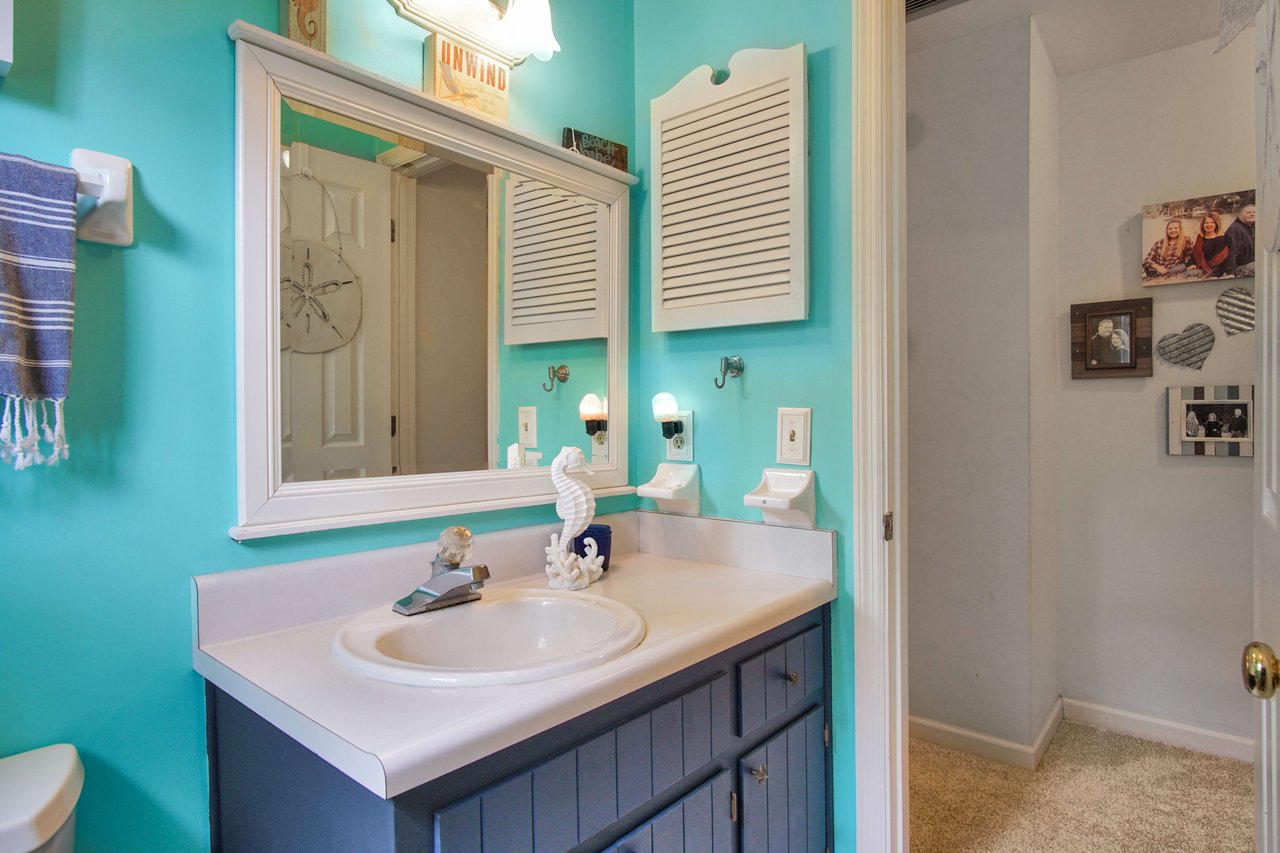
(1095, 792)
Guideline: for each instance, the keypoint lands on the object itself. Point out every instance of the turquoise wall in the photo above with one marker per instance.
(788, 364)
(95, 617)
(300, 127)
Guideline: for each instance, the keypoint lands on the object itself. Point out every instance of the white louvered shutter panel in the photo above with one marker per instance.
(555, 263)
(730, 183)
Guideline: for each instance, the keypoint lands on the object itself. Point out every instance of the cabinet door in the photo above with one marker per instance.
(563, 802)
(702, 822)
(775, 681)
(784, 791)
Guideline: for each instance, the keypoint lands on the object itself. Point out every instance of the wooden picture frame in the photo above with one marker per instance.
(1189, 408)
(1111, 339)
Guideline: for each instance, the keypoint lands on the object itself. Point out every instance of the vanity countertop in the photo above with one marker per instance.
(701, 585)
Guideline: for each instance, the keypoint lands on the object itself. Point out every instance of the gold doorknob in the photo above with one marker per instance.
(1261, 670)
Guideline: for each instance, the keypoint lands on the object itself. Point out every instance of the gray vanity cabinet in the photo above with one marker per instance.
(730, 754)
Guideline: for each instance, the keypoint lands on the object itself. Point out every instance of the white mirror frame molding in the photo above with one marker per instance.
(269, 67)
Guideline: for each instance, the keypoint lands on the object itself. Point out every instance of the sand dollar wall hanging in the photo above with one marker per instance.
(1188, 348)
(1236, 310)
(320, 299)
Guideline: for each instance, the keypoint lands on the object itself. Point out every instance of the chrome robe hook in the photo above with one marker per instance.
(555, 374)
(730, 365)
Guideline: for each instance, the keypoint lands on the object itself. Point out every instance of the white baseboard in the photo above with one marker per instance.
(1162, 731)
(1026, 756)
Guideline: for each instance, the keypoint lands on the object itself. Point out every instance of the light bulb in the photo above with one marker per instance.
(526, 29)
(665, 407)
(591, 409)
(666, 412)
(593, 413)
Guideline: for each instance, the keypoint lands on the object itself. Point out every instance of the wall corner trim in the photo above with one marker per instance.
(1162, 731)
(1026, 756)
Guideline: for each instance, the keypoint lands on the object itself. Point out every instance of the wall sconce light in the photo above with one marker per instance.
(523, 30)
(527, 29)
(594, 412)
(666, 412)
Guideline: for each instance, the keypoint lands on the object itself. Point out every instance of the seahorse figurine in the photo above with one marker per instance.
(576, 504)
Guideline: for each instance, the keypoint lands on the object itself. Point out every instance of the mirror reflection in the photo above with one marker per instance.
(437, 314)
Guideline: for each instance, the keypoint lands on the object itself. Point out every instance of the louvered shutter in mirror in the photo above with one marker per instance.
(730, 195)
(554, 262)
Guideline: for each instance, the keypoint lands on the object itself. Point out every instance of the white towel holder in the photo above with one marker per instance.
(785, 496)
(675, 488)
(109, 180)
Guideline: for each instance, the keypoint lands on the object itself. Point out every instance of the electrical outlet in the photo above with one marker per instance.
(600, 448)
(528, 431)
(793, 436)
(680, 447)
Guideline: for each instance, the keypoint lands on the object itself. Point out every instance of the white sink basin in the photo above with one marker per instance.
(507, 637)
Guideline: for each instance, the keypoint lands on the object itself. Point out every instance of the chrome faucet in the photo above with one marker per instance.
(451, 583)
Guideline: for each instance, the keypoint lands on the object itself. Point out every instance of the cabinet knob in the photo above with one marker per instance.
(793, 679)
(760, 773)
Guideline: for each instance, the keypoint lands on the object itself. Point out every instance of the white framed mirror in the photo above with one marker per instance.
(411, 280)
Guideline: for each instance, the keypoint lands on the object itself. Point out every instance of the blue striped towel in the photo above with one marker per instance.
(37, 307)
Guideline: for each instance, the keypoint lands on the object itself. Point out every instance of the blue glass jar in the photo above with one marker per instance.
(603, 534)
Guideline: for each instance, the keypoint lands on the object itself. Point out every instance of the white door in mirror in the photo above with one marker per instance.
(335, 406)
(509, 636)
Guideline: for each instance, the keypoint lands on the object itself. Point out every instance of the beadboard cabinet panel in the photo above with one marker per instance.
(784, 790)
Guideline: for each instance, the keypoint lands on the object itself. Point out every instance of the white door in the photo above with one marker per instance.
(336, 406)
(1266, 538)
(1266, 557)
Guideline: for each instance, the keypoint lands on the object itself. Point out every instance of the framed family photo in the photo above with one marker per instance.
(1211, 420)
(1110, 339)
(1199, 239)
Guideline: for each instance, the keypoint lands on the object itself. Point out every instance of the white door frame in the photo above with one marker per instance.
(879, 404)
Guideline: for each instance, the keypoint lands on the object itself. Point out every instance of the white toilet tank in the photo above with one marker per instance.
(38, 794)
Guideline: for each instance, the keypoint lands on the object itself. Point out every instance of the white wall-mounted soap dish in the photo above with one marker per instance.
(676, 489)
(785, 497)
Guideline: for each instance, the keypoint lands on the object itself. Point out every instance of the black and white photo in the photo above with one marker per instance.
(1110, 340)
(1217, 421)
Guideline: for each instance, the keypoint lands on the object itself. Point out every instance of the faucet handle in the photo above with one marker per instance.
(453, 548)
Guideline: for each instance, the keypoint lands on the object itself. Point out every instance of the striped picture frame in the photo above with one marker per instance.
(1190, 400)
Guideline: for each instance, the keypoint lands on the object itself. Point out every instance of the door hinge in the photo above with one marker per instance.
(826, 734)
(733, 807)
(393, 426)
(393, 231)
(888, 526)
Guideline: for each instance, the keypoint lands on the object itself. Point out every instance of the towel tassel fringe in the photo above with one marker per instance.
(24, 424)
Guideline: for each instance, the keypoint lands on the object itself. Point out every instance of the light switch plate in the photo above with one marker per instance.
(793, 436)
(680, 447)
(528, 427)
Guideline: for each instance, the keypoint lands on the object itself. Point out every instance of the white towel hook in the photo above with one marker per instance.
(109, 179)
